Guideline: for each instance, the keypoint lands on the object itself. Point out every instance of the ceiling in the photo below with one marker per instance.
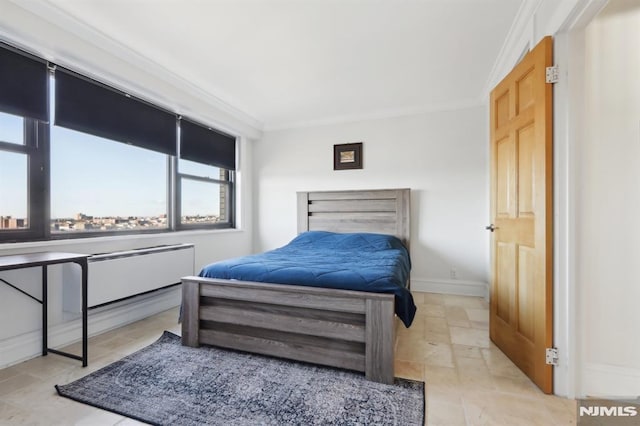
(297, 62)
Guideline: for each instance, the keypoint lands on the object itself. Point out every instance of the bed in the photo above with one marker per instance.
(344, 328)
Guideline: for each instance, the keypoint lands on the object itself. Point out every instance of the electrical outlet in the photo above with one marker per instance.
(453, 273)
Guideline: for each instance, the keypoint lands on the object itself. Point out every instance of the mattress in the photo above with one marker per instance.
(358, 261)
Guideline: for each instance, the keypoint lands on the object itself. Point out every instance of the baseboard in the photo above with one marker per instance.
(458, 287)
(29, 345)
(610, 381)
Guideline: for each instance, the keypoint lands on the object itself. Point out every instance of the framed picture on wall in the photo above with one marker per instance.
(347, 156)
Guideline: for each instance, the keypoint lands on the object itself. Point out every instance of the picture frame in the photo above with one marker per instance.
(347, 156)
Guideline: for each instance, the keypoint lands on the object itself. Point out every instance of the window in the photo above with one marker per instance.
(13, 190)
(204, 180)
(204, 194)
(118, 188)
(21, 177)
(79, 158)
(23, 107)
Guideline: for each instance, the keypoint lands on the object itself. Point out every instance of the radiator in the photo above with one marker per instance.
(119, 275)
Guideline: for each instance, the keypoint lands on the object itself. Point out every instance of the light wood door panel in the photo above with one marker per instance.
(521, 320)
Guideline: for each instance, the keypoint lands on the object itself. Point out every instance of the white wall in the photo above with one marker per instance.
(441, 156)
(608, 204)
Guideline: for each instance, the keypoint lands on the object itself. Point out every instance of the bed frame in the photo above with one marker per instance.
(339, 328)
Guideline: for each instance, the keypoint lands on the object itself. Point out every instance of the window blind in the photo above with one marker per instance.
(203, 145)
(90, 107)
(24, 84)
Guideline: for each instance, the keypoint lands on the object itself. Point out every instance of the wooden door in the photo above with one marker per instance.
(521, 320)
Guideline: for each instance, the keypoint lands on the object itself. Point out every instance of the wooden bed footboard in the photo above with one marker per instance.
(339, 328)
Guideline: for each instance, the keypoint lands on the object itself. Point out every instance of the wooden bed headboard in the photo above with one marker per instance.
(382, 211)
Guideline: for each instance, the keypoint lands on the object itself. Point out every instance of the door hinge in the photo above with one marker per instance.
(552, 74)
(552, 356)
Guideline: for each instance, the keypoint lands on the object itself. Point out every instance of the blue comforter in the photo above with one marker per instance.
(363, 262)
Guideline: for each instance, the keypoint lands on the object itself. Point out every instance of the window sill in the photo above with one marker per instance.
(139, 238)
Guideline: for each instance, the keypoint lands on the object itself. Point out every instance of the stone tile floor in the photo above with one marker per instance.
(468, 380)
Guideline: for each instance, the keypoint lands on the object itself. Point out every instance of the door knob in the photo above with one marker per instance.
(491, 227)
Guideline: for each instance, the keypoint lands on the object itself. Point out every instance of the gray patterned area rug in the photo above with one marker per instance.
(170, 384)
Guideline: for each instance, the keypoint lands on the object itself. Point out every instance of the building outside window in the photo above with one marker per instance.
(205, 193)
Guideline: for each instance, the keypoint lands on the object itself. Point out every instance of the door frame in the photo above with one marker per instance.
(566, 25)
(569, 113)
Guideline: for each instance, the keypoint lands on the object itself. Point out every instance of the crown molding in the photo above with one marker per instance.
(581, 14)
(379, 115)
(220, 113)
(515, 43)
(567, 16)
(223, 115)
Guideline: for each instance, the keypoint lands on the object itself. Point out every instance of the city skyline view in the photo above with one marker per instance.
(100, 178)
(87, 223)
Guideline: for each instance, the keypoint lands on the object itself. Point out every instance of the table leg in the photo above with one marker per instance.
(45, 328)
(84, 266)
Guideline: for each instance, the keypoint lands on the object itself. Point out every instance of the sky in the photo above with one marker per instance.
(13, 169)
(97, 177)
